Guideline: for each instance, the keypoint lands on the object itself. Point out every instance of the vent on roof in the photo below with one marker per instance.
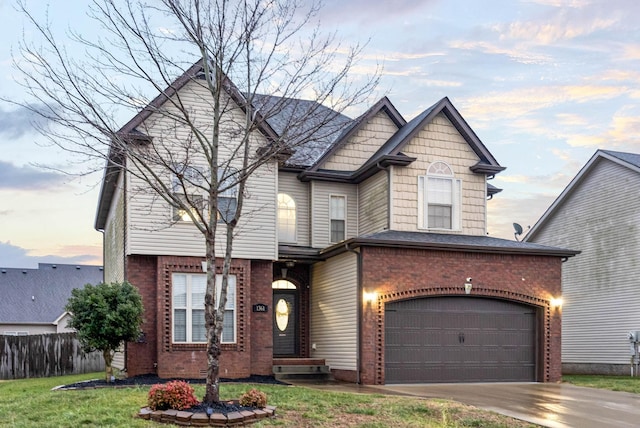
(24, 271)
(4, 271)
(100, 268)
(54, 266)
(78, 267)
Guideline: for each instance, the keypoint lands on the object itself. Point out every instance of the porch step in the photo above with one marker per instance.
(300, 369)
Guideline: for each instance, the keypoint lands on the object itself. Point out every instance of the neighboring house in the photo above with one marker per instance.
(367, 252)
(597, 214)
(33, 300)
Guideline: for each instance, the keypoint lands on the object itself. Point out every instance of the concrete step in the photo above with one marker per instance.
(301, 371)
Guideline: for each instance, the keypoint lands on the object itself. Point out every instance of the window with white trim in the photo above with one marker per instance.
(187, 304)
(286, 218)
(184, 182)
(338, 217)
(228, 196)
(439, 198)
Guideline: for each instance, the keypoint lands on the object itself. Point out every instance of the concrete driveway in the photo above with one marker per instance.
(547, 404)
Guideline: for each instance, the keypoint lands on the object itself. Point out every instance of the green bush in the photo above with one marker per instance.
(176, 395)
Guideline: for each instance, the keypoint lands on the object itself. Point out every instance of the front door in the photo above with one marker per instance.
(285, 320)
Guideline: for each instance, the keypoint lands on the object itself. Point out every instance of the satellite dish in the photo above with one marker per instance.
(518, 230)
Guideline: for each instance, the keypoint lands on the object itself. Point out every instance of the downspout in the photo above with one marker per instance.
(359, 299)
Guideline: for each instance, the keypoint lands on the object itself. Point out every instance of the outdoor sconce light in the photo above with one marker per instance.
(369, 297)
(556, 302)
(285, 269)
(468, 286)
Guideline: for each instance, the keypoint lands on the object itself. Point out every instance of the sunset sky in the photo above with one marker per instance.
(543, 83)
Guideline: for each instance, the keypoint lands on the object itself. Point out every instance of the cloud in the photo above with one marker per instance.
(22, 121)
(12, 256)
(27, 177)
(504, 210)
(369, 11)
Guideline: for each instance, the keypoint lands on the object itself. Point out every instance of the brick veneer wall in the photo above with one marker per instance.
(399, 274)
(152, 276)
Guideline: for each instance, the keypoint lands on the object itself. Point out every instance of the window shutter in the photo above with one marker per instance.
(422, 223)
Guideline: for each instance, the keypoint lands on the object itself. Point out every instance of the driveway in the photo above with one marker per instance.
(547, 404)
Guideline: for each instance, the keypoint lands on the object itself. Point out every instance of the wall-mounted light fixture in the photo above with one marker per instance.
(369, 297)
(288, 265)
(468, 286)
(556, 302)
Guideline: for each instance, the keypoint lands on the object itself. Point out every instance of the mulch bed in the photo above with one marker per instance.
(149, 379)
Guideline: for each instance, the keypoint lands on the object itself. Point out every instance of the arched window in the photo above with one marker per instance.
(439, 198)
(283, 284)
(286, 218)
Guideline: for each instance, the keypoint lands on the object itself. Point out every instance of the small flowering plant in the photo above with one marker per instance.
(178, 395)
(253, 398)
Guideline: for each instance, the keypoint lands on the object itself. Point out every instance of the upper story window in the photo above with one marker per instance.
(338, 217)
(184, 184)
(439, 198)
(228, 196)
(286, 218)
(188, 308)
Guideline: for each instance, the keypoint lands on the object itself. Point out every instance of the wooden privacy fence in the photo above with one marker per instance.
(44, 355)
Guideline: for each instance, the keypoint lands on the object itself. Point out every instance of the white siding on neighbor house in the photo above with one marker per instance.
(373, 204)
(114, 233)
(320, 224)
(334, 311)
(288, 183)
(363, 144)
(29, 328)
(151, 230)
(438, 141)
(601, 218)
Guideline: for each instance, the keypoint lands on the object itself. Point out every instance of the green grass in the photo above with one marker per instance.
(612, 383)
(31, 403)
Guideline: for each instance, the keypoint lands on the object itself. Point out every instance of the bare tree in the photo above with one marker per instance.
(242, 49)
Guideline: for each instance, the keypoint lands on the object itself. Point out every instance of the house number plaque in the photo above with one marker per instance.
(260, 307)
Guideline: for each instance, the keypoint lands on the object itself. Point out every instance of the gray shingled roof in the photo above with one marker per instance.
(298, 118)
(451, 242)
(38, 296)
(631, 158)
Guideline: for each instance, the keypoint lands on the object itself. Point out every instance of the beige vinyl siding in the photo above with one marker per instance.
(438, 141)
(288, 183)
(599, 286)
(151, 230)
(114, 233)
(321, 192)
(334, 306)
(363, 144)
(373, 204)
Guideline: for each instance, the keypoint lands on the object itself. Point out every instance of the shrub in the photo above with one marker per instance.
(176, 395)
(253, 398)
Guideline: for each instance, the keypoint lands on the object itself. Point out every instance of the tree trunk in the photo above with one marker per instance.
(212, 389)
(108, 369)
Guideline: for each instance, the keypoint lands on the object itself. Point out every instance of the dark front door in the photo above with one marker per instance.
(285, 323)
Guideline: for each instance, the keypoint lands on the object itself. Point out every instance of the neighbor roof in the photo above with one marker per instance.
(628, 160)
(38, 296)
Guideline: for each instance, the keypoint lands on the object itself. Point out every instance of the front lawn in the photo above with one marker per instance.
(31, 403)
(613, 383)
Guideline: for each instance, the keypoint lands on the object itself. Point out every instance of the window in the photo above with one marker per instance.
(439, 198)
(228, 196)
(188, 308)
(186, 179)
(286, 218)
(337, 214)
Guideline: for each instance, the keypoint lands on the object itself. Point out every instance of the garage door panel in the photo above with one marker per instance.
(459, 339)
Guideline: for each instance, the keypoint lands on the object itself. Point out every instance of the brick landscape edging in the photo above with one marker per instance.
(201, 419)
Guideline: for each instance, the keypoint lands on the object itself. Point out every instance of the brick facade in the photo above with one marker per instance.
(398, 274)
(156, 353)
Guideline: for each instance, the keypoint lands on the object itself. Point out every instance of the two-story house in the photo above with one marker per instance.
(368, 252)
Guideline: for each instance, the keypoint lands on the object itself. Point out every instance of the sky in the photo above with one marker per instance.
(543, 83)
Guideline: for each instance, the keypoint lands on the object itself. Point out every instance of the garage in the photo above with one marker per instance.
(459, 339)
